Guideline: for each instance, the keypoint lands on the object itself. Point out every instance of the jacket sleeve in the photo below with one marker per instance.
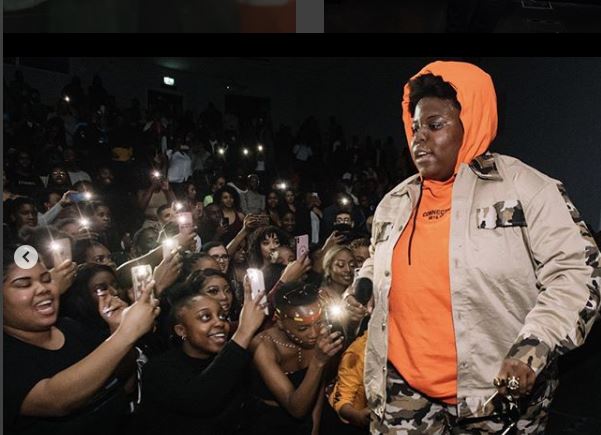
(568, 279)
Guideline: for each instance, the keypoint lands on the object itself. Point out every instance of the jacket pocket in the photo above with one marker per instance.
(508, 213)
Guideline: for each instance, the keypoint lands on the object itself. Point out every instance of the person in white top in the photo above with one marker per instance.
(180, 164)
(252, 201)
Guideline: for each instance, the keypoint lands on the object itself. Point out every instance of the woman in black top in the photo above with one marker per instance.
(199, 388)
(80, 302)
(290, 358)
(56, 381)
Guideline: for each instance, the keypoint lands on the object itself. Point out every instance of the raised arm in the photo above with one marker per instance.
(72, 387)
(300, 401)
(250, 222)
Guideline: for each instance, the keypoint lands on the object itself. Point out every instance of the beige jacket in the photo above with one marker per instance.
(524, 273)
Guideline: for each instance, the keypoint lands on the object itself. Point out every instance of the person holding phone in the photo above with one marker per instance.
(200, 387)
(263, 244)
(57, 377)
(157, 193)
(80, 302)
(290, 360)
(229, 201)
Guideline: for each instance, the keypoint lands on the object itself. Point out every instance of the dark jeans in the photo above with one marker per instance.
(474, 16)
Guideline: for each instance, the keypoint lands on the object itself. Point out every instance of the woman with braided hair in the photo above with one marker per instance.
(291, 359)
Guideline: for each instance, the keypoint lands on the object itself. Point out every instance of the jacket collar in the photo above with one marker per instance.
(485, 167)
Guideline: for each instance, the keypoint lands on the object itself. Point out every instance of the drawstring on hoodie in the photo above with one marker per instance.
(421, 187)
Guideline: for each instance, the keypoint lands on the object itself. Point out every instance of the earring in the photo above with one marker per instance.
(184, 338)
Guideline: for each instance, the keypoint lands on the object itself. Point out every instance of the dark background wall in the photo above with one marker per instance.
(549, 108)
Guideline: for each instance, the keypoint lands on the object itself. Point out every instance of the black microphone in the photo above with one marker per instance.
(363, 290)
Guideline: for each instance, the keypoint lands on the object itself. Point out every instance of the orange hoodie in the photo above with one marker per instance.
(421, 338)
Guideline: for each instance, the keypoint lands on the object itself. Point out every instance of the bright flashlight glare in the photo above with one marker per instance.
(260, 147)
(181, 219)
(245, 151)
(156, 174)
(282, 186)
(221, 151)
(169, 243)
(87, 195)
(178, 206)
(54, 246)
(84, 222)
(67, 99)
(344, 201)
(335, 310)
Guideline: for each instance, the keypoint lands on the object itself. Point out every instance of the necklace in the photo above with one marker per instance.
(289, 346)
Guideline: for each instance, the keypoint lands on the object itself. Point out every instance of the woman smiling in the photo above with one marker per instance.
(199, 388)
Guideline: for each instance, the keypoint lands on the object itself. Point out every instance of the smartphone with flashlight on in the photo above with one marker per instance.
(168, 246)
(185, 222)
(302, 245)
(61, 251)
(78, 196)
(140, 277)
(257, 284)
(333, 316)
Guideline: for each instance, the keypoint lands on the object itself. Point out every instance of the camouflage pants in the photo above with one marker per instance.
(409, 412)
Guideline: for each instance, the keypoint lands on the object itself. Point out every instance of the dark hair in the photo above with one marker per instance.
(429, 85)
(163, 207)
(233, 192)
(179, 298)
(358, 243)
(215, 178)
(137, 238)
(182, 191)
(14, 204)
(92, 206)
(51, 183)
(189, 260)
(81, 247)
(78, 303)
(210, 245)
(255, 258)
(339, 212)
(295, 294)
(179, 295)
(277, 195)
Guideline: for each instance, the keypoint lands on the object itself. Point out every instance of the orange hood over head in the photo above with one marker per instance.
(476, 94)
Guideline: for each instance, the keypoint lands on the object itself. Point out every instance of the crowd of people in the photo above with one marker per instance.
(200, 274)
(200, 200)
